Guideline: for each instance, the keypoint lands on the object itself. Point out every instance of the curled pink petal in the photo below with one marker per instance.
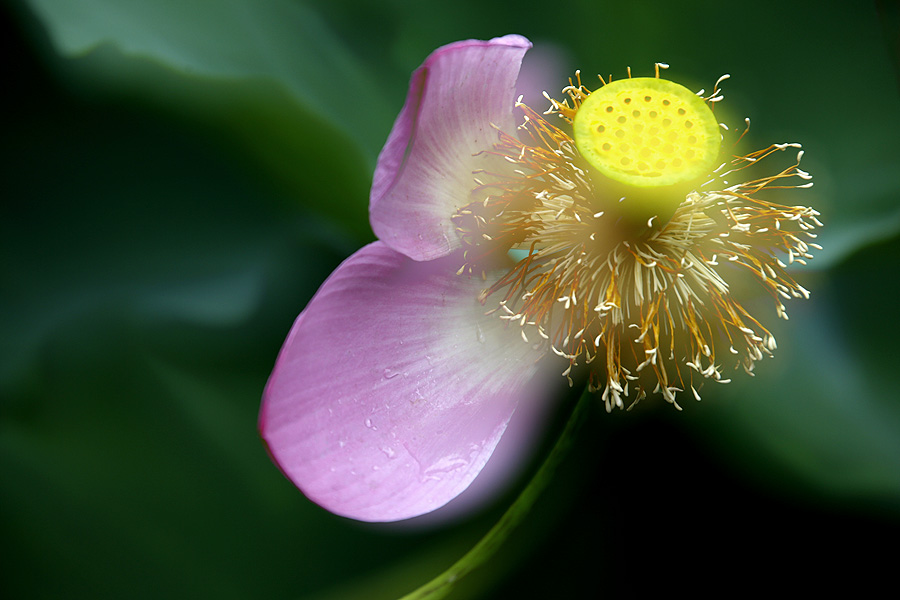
(393, 388)
(425, 171)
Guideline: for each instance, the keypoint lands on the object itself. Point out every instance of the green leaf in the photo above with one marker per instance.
(233, 40)
(267, 79)
(822, 417)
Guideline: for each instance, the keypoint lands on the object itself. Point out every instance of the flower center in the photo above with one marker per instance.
(645, 305)
(647, 132)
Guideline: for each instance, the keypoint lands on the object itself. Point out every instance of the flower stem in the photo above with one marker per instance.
(443, 584)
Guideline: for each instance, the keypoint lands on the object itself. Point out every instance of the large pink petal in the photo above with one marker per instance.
(393, 387)
(425, 171)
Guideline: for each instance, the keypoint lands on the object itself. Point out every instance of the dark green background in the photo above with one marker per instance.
(179, 177)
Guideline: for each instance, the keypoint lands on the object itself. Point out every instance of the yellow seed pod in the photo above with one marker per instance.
(647, 132)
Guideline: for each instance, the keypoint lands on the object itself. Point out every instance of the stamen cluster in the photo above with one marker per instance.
(647, 306)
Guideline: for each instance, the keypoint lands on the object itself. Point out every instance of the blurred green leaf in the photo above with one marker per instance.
(137, 217)
(251, 41)
(816, 419)
(823, 416)
(267, 76)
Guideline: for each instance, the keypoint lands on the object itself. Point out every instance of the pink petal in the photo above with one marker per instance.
(393, 387)
(516, 448)
(425, 171)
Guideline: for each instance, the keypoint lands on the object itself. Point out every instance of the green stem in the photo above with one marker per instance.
(443, 584)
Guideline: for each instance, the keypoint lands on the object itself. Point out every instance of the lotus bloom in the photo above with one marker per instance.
(605, 246)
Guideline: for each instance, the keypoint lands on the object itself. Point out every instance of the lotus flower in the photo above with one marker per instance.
(608, 249)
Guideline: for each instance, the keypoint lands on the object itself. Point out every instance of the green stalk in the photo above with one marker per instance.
(443, 584)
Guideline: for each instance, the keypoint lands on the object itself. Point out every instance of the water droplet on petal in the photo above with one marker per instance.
(479, 334)
(390, 373)
(444, 466)
(369, 424)
(416, 397)
(389, 452)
